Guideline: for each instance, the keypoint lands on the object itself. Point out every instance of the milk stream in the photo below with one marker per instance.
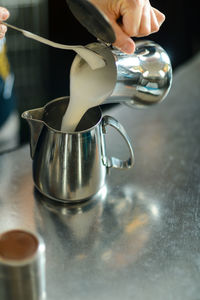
(88, 87)
(86, 70)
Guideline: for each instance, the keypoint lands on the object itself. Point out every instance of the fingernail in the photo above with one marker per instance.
(128, 48)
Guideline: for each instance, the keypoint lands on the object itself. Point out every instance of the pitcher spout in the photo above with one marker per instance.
(34, 118)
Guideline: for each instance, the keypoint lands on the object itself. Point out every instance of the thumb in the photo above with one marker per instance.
(123, 41)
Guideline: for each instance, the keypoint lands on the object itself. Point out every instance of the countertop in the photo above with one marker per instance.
(139, 238)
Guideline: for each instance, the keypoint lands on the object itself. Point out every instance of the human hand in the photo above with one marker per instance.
(137, 19)
(4, 14)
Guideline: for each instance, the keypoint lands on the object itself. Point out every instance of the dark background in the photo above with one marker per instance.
(42, 73)
(179, 34)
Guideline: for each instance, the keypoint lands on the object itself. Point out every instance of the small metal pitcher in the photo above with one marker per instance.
(72, 166)
(140, 79)
(144, 77)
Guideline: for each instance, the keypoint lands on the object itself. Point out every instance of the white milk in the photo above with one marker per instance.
(94, 60)
(88, 87)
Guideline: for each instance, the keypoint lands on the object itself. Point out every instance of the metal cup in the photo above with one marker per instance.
(141, 79)
(22, 266)
(72, 166)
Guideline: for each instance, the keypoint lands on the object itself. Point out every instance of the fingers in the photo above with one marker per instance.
(150, 22)
(138, 17)
(159, 16)
(111, 8)
(4, 14)
(145, 24)
(154, 22)
(3, 30)
(131, 17)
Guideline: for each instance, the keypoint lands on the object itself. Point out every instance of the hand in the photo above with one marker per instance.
(138, 19)
(4, 14)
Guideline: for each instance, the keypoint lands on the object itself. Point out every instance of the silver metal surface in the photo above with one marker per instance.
(138, 240)
(143, 78)
(22, 273)
(71, 166)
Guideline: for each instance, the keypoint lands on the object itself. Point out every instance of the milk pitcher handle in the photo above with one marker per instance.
(114, 162)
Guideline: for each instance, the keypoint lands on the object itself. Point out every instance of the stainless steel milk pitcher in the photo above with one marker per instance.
(72, 166)
(144, 77)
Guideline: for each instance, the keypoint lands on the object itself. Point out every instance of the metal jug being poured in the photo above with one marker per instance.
(142, 78)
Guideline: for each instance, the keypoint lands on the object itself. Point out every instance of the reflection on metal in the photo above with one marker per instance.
(143, 78)
(72, 166)
(91, 224)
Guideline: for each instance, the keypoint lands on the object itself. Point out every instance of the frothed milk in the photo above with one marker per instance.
(88, 87)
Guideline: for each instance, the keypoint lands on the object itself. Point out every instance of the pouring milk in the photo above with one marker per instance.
(88, 86)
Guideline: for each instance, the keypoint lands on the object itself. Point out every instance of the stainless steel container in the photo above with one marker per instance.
(22, 266)
(72, 166)
(144, 77)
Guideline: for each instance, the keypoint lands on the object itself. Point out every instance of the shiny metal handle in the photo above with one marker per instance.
(114, 162)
